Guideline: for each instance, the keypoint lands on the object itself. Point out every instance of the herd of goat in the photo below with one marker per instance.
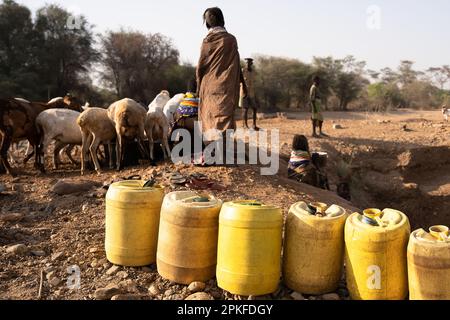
(66, 123)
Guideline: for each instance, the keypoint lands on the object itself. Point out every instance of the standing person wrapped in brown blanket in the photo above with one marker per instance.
(218, 76)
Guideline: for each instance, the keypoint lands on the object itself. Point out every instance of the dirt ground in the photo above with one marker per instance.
(398, 160)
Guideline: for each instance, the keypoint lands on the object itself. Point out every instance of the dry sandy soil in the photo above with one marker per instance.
(392, 166)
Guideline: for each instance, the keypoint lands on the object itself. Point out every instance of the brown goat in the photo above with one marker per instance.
(18, 122)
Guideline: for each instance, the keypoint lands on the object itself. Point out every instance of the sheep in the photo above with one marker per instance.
(157, 125)
(128, 118)
(96, 128)
(171, 107)
(59, 125)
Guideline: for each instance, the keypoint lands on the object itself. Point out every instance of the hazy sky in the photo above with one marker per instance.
(382, 32)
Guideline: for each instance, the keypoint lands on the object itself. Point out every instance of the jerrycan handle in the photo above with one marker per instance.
(317, 208)
(373, 217)
(440, 232)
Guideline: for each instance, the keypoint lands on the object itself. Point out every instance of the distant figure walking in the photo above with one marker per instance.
(445, 112)
(218, 75)
(249, 101)
(316, 106)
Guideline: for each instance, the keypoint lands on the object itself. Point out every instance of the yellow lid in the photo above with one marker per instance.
(377, 218)
(439, 234)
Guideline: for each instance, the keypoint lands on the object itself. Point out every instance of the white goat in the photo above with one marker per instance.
(128, 118)
(172, 105)
(59, 125)
(96, 128)
(157, 125)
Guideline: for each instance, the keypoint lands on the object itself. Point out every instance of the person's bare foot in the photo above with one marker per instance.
(314, 135)
(256, 128)
(324, 134)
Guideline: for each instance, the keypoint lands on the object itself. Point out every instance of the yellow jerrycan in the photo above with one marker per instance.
(429, 264)
(188, 231)
(249, 248)
(375, 255)
(314, 247)
(132, 222)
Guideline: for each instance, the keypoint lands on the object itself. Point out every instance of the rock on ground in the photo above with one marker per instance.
(196, 286)
(200, 296)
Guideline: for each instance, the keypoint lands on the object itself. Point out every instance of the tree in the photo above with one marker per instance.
(137, 65)
(64, 51)
(440, 75)
(16, 33)
(406, 73)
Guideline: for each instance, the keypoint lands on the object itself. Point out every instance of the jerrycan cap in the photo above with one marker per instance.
(377, 218)
(317, 208)
(436, 234)
(440, 233)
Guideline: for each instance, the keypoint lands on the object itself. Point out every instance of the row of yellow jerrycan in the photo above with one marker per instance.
(195, 237)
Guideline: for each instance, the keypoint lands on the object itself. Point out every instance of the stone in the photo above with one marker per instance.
(107, 293)
(297, 296)
(2, 187)
(57, 256)
(50, 275)
(126, 297)
(112, 271)
(55, 281)
(122, 274)
(93, 250)
(18, 249)
(337, 126)
(129, 286)
(169, 292)
(153, 290)
(200, 296)
(84, 208)
(196, 286)
(65, 187)
(12, 217)
(38, 253)
(331, 296)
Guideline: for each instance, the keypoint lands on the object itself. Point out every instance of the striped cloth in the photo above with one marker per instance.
(299, 161)
(189, 105)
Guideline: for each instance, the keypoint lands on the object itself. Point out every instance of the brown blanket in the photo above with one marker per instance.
(218, 78)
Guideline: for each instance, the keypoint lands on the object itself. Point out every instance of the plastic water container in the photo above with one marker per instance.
(132, 222)
(375, 246)
(314, 247)
(249, 248)
(188, 231)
